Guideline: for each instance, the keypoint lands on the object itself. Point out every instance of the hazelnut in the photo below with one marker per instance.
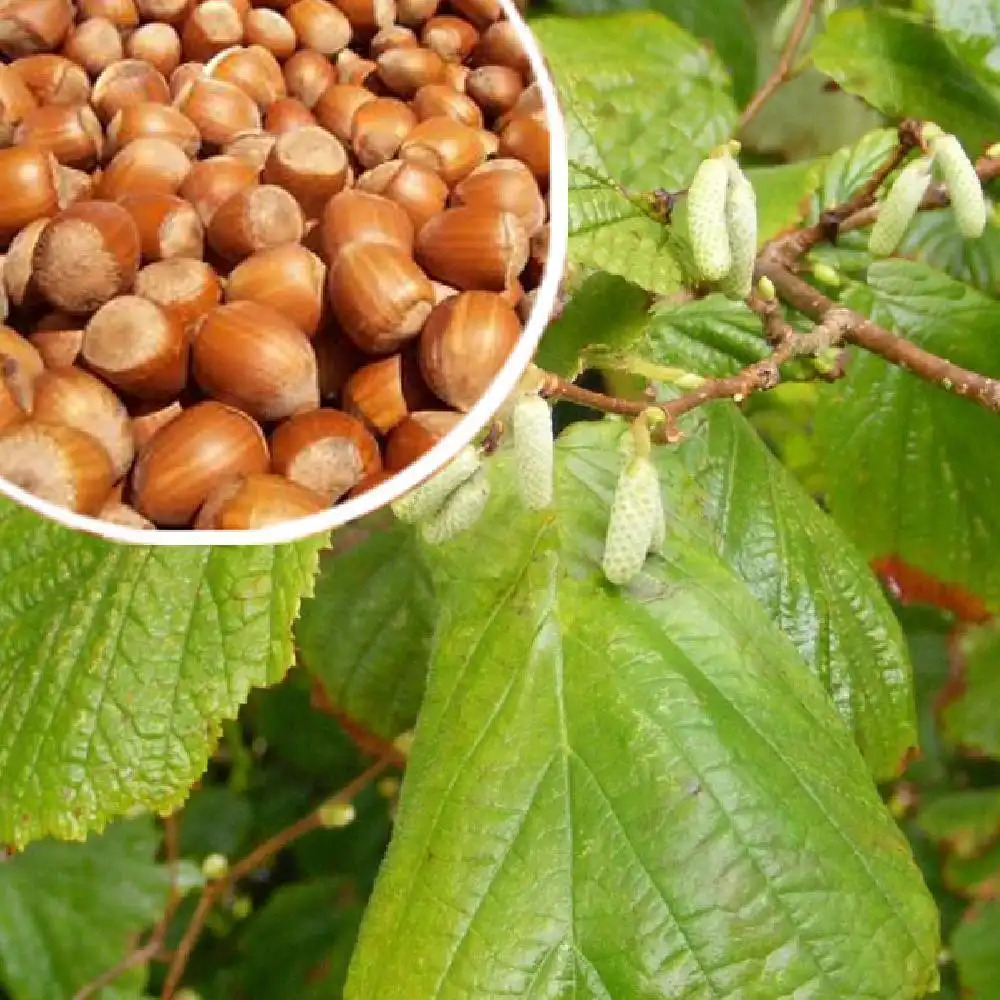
(168, 226)
(359, 217)
(310, 164)
(157, 44)
(253, 219)
(378, 129)
(419, 191)
(257, 501)
(416, 435)
(183, 288)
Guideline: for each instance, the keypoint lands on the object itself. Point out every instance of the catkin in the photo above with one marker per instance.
(741, 228)
(428, 498)
(899, 207)
(631, 526)
(460, 511)
(531, 423)
(962, 184)
(707, 219)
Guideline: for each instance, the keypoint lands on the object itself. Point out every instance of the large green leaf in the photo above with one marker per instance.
(971, 718)
(724, 24)
(117, 665)
(813, 582)
(972, 29)
(68, 912)
(633, 123)
(903, 67)
(366, 634)
(914, 470)
(964, 822)
(619, 795)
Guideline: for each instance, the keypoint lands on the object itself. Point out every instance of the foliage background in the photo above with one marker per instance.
(122, 670)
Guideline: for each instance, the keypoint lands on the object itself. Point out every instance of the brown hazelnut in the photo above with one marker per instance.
(378, 129)
(393, 36)
(526, 139)
(439, 100)
(507, 185)
(464, 345)
(286, 114)
(413, 13)
(214, 181)
(73, 398)
(183, 288)
(157, 44)
(257, 501)
(337, 106)
(127, 82)
(211, 27)
(416, 435)
(145, 166)
(253, 219)
(452, 38)
(137, 347)
(326, 451)
(368, 16)
(18, 268)
(405, 71)
(60, 464)
(499, 45)
(86, 255)
(168, 226)
(473, 248)
(307, 75)
(219, 110)
(53, 79)
(384, 392)
(192, 455)
(310, 164)
(30, 26)
(445, 146)
(94, 44)
(288, 279)
(494, 88)
(379, 296)
(254, 70)
(58, 347)
(150, 417)
(121, 13)
(359, 217)
(482, 13)
(319, 25)
(152, 121)
(30, 188)
(420, 192)
(252, 357)
(72, 135)
(270, 30)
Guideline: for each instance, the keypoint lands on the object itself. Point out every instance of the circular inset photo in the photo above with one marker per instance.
(264, 276)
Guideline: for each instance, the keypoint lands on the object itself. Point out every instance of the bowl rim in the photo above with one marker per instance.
(448, 447)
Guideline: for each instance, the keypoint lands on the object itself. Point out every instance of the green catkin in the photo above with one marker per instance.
(707, 219)
(428, 498)
(632, 523)
(531, 423)
(741, 229)
(658, 533)
(899, 207)
(460, 511)
(963, 185)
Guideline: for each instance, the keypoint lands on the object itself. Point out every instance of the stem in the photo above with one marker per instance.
(862, 332)
(783, 71)
(257, 857)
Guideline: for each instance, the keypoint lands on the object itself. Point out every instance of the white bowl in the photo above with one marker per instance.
(446, 449)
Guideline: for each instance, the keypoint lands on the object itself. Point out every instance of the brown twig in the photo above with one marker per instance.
(862, 332)
(153, 945)
(257, 857)
(782, 73)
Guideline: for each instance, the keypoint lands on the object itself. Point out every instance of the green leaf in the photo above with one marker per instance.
(711, 336)
(119, 663)
(934, 239)
(974, 946)
(972, 29)
(783, 195)
(903, 67)
(300, 943)
(977, 877)
(971, 719)
(813, 582)
(724, 25)
(606, 310)
(963, 822)
(913, 468)
(632, 124)
(69, 912)
(670, 729)
(366, 633)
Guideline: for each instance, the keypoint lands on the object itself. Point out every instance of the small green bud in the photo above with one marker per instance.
(403, 743)
(899, 207)
(531, 423)
(242, 907)
(429, 497)
(741, 229)
(336, 815)
(766, 289)
(826, 275)
(963, 185)
(214, 867)
(707, 219)
(388, 788)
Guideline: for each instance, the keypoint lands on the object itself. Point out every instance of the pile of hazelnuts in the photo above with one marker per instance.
(258, 255)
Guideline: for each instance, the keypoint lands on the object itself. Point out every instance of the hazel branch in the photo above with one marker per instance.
(153, 946)
(862, 332)
(783, 72)
(258, 856)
